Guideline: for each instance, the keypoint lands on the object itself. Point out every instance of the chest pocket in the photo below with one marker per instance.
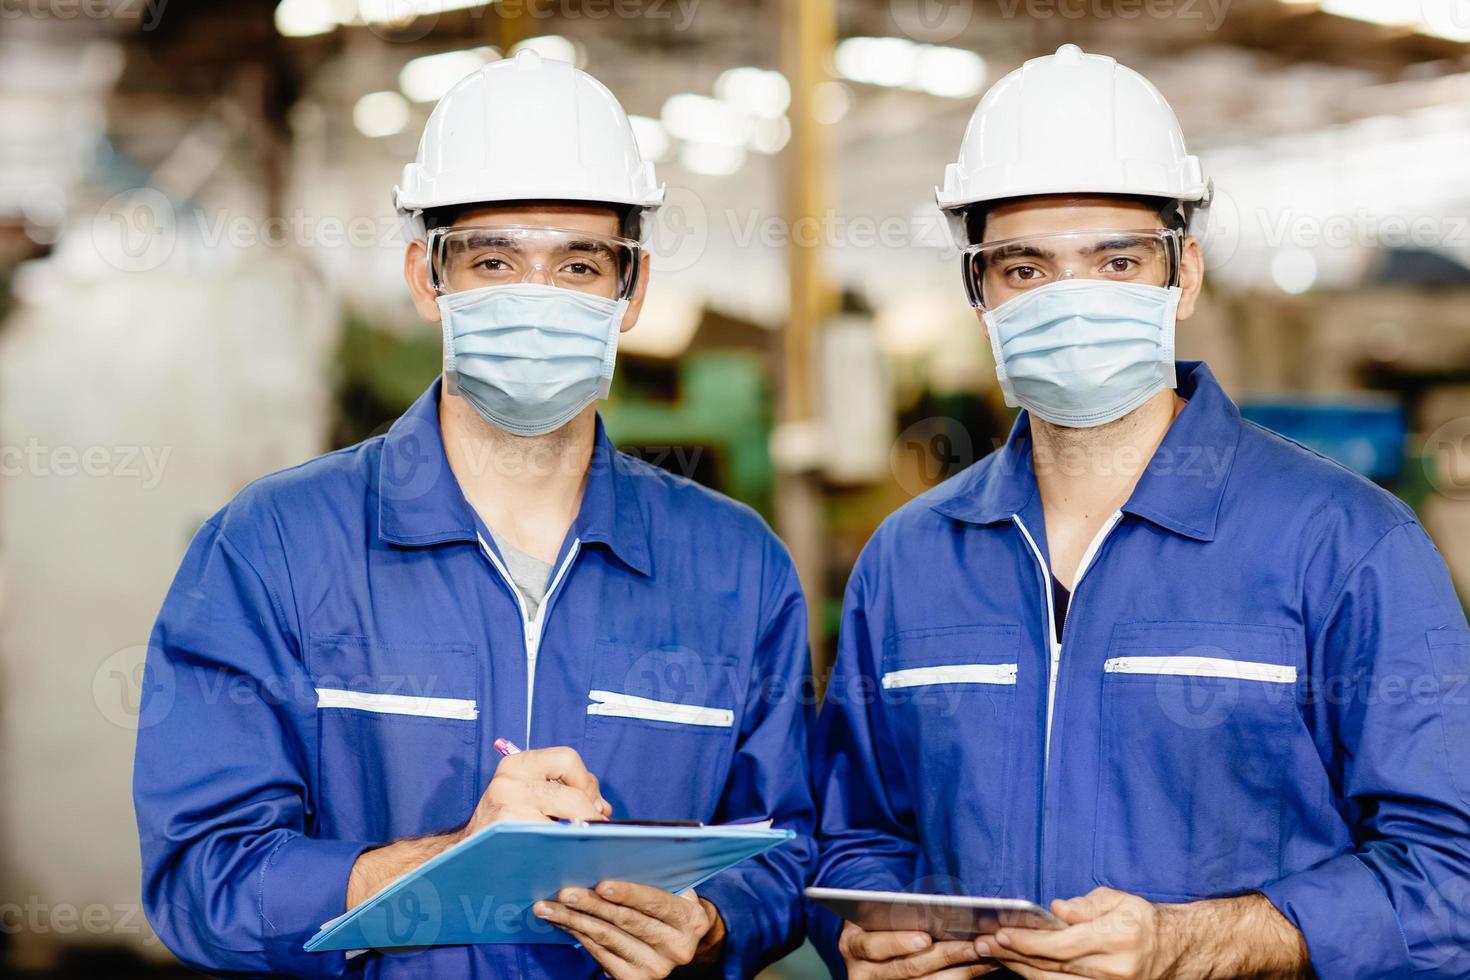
(1196, 721)
(398, 736)
(662, 723)
(950, 694)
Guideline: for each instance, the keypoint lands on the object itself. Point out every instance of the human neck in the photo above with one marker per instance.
(1088, 473)
(528, 489)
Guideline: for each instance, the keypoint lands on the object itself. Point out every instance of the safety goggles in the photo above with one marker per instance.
(469, 257)
(995, 272)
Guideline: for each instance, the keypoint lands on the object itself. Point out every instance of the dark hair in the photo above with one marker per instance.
(1171, 213)
(629, 216)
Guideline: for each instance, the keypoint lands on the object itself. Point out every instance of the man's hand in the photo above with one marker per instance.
(1111, 935)
(541, 784)
(903, 955)
(637, 932)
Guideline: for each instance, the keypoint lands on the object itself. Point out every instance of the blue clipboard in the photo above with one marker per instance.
(481, 890)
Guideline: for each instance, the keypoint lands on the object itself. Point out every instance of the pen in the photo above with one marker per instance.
(508, 748)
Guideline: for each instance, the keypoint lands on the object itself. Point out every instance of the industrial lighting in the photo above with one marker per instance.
(666, 326)
(831, 102)
(770, 135)
(711, 159)
(403, 11)
(895, 62)
(653, 139)
(306, 18)
(886, 61)
(951, 72)
(1391, 13)
(701, 119)
(1449, 19)
(755, 91)
(426, 79)
(380, 114)
(554, 47)
(1294, 270)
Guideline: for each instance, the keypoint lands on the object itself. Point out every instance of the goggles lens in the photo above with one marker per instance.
(471, 257)
(999, 271)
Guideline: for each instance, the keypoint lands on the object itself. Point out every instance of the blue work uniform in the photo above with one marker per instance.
(343, 645)
(1260, 687)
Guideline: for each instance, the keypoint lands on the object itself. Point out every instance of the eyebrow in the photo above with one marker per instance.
(582, 245)
(1121, 243)
(490, 241)
(1115, 244)
(1024, 251)
(594, 248)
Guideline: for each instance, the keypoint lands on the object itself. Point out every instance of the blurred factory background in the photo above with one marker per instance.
(200, 283)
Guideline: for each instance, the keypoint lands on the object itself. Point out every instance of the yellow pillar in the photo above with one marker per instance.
(808, 33)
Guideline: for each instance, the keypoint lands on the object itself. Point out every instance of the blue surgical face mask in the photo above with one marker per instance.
(529, 357)
(1084, 352)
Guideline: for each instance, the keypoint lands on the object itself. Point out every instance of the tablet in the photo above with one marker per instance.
(941, 916)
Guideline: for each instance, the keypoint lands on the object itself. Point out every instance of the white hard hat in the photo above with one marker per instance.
(526, 128)
(1072, 123)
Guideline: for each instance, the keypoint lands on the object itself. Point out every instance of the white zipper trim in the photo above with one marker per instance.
(531, 626)
(1244, 670)
(951, 674)
(613, 705)
(1054, 647)
(1051, 618)
(397, 704)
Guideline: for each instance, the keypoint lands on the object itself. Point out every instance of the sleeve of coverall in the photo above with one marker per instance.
(1390, 667)
(226, 737)
(865, 831)
(761, 900)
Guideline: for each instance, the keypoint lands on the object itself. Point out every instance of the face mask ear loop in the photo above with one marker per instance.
(993, 329)
(1166, 344)
(451, 377)
(610, 351)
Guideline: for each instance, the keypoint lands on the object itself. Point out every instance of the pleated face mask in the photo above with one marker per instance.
(529, 357)
(1084, 352)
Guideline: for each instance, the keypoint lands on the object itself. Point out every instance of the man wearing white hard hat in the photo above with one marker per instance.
(487, 614)
(1146, 664)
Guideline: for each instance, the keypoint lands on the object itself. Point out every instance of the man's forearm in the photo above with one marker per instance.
(1234, 937)
(379, 867)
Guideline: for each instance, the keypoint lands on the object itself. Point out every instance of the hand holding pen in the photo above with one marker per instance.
(541, 784)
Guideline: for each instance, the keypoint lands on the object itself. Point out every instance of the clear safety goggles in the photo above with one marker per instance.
(999, 271)
(469, 257)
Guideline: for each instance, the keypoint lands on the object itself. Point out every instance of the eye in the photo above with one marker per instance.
(580, 269)
(1121, 265)
(1023, 273)
(491, 263)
